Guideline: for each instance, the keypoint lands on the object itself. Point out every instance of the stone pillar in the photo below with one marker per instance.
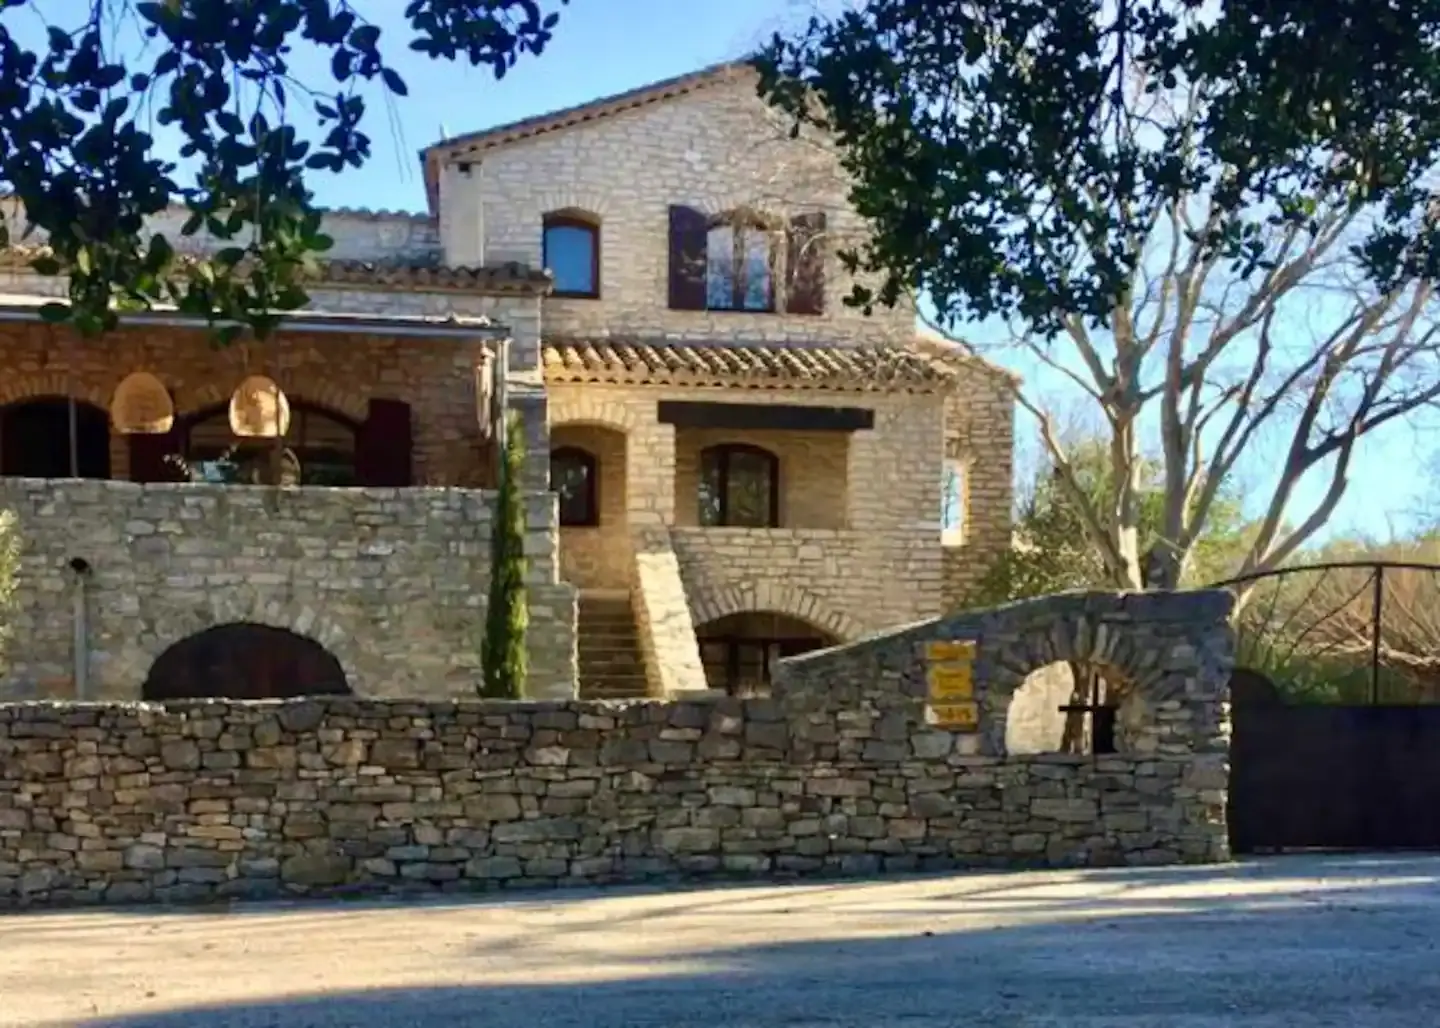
(650, 471)
(527, 399)
(462, 229)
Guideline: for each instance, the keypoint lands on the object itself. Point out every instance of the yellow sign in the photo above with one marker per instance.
(950, 682)
(964, 716)
(950, 649)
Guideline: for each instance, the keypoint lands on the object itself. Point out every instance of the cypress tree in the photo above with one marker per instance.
(507, 615)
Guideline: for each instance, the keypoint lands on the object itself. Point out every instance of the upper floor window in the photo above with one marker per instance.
(742, 261)
(739, 265)
(572, 253)
(952, 501)
(573, 477)
(739, 487)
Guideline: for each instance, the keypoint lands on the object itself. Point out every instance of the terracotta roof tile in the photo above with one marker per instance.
(752, 365)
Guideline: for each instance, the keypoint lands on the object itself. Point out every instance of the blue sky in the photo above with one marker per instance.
(607, 46)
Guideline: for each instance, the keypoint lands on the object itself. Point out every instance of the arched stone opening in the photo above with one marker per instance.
(1095, 670)
(245, 661)
(738, 651)
(36, 436)
(1073, 707)
(588, 468)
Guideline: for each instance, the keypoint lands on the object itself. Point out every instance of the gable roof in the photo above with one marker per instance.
(469, 143)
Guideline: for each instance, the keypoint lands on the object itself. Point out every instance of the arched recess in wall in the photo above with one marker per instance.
(739, 651)
(54, 437)
(709, 603)
(1070, 700)
(245, 661)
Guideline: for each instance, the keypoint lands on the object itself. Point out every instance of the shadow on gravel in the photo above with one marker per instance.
(1362, 957)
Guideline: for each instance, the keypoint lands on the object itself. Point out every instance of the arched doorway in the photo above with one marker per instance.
(739, 650)
(245, 661)
(587, 473)
(35, 439)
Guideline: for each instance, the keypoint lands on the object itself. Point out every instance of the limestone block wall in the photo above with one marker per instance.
(715, 149)
(838, 773)
(859, 547)
(360, 235)
(664, 627)
(392, 582)
(980, 430)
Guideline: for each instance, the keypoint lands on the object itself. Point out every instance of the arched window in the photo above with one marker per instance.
(573, 475)
(572, 253)
(739, 486)
(740, 263)
(319, 449)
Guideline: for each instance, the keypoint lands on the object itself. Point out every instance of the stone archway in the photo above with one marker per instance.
(1150, 649)
(711, 604)
(245, 661)
(738, 651)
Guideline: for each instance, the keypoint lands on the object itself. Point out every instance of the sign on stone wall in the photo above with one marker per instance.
(950, 677)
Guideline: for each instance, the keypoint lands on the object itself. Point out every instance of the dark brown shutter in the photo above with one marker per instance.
(805, 292)
(157, 458)
(384, 447)
(688, 229)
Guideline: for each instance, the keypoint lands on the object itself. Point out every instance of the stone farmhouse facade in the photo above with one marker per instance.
(725, 463)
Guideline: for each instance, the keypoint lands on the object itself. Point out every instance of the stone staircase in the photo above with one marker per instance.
(611, 667)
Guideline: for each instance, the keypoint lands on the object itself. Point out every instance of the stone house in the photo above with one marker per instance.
(726, 463)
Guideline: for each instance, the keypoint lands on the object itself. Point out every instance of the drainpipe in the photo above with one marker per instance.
(81, 569)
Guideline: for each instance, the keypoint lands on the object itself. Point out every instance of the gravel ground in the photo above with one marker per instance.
(1301, 941)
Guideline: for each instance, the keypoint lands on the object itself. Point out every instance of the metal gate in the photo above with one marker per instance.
(1326, 776)
(1335, 710)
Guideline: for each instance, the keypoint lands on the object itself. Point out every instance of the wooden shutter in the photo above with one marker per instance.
(384, 446)
(156, 458)
(688, 228)
(805, 285)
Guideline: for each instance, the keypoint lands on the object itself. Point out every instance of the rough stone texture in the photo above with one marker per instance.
(392, 581)
(662, 616)
(980, 431)
(838, 773)
(716, 149)
(858, 549)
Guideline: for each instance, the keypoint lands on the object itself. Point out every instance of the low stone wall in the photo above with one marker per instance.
(392, 582)
(837, 773)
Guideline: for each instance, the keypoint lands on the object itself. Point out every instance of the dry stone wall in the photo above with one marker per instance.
(392, 582)
(837, 773)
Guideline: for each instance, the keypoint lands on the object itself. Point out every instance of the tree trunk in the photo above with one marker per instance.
(1075, 738)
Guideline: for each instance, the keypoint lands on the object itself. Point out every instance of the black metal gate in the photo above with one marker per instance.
(1335, 722)
(1327, 776)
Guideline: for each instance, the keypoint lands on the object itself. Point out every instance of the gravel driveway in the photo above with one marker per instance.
(1297, 941)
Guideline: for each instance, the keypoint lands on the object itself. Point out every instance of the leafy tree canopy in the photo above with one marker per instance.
(991, 148)
(1213, 217)
(78, 150)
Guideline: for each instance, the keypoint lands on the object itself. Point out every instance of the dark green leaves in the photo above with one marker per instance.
(76, 149)
(1015, 155)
